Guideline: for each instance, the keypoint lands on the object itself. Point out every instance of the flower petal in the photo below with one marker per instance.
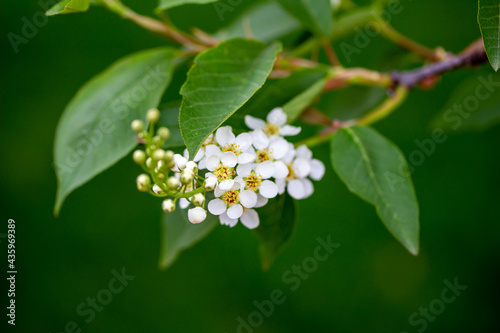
(243, 170)
(268, 189)
(246, 158)
(244, 140)
(317, 169)
(260, 139)
(202, 164)
(183, 203)
(301, 167)
(290, 154)
(235, 211)
(308, 187)
(280, 170)
(278, 148)
(212, 150)
(225, 220)
(199, 155)
(229, 159)
(212, 162)
(254, 123)
(288, 130)
(261, 201)
(226, 185)
(218, 192)
(224, 135)
(277, 117)
(303, 152)
(265, 169)
(250, 219)
(248, 198)
(281, 183)
(217, 206)
(296, 189)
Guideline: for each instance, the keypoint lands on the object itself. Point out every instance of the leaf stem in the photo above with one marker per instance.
(389, 105)
(153, 25)
(396, 37)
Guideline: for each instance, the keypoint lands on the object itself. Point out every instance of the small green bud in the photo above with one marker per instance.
(157, 140)
(187, 176)
(159, 155)
(153, 116)
(143, 183)
(173, 183)
(139, 157)
(163, 133)
(137, 126)
(161, 176)
(168, 206)
(150, 164)
(169, 156)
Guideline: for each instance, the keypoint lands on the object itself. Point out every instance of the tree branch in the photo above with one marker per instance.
(472, 56)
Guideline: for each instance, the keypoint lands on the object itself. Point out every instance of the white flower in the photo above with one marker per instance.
(226, 141)
(271, 149)
(256, 179)
(275, 125)
(200, 156)
(301, 165)
(197, 215)
(222, 167)
(232, 201)
(210, 183)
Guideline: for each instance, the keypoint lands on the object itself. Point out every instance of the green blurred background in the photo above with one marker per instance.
(370, 284)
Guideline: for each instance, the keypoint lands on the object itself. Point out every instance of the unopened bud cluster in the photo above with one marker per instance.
(167, 175)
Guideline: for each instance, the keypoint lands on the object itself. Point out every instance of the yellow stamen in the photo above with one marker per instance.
(271, 129)
(263, 155)
(223, 172)
(253, 181)
(233, 148)
(231, 197)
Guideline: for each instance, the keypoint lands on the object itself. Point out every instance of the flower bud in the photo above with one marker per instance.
(197, 215)
(180, 161)
(157, 189)
(143, 183)
(153, 116)
(139, 157)
(137, 126)
(173, 183)
(169, 156)
(159, 155)
(198, 199)
(168, 206)
(210, 183)
(187, 176)
(192, 166)
(157, 140)
(161, 176)
(150, 163)
(163, 133)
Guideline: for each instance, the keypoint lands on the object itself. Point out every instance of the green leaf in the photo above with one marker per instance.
(69, 6)
(220, 82)
(265, 22)
(489, 23)
(178, 234)
(375, 169)
(278, 220)
(165, 4)
(474, 105)
(296, 106)
(94, 131)
(314, 14)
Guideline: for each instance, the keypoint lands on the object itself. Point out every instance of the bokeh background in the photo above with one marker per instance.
(370, 284)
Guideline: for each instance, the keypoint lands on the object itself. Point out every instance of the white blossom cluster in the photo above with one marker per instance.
(248, 169)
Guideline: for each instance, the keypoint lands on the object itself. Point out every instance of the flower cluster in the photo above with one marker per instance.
(244, 171)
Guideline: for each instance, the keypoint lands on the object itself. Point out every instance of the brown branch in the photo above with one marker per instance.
(472, 56)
